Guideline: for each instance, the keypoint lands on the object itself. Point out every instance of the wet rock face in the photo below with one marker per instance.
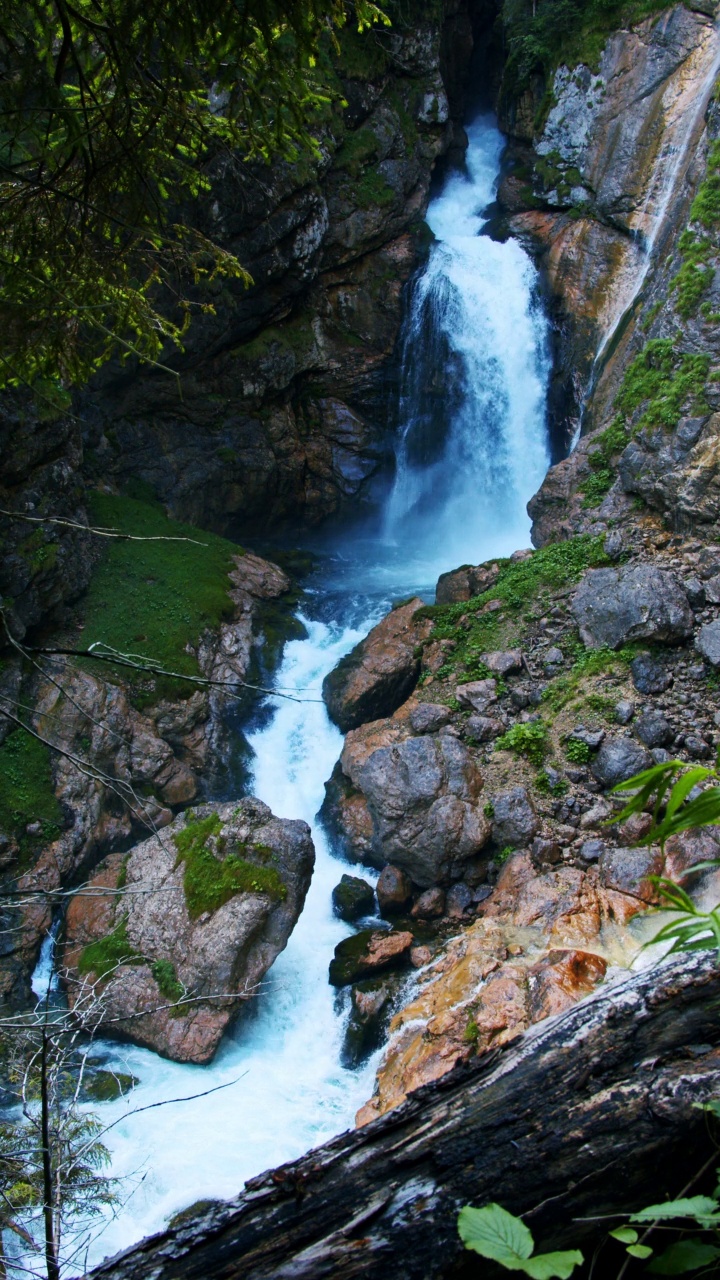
(284, 411)
(597, 184)
(368, 952)
(211, 902)
(642, 602)
(379, 674)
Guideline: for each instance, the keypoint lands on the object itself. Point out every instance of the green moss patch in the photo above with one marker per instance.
(26, 790)
(154, 599)
(105, 955)
(209, 881)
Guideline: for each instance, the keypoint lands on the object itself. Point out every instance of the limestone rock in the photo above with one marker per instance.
(196, 944)
(379, 674)
(477, 694)
(614, 606)
(423, 797)
(649, 675)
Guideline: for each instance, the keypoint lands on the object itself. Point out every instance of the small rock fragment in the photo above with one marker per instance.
(707, 642)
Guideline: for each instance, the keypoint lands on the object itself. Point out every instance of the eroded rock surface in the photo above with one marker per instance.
(205, 907)
(378, 675)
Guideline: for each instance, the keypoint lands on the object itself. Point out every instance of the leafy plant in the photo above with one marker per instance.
(577, 752)
(496, 1234)
(529, 740)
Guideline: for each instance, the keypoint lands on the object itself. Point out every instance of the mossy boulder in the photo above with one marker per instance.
(188, 926)
(353, 898)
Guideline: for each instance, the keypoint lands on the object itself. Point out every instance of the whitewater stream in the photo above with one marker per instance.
(472, 448)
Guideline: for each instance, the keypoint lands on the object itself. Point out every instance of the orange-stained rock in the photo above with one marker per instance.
(537, 948)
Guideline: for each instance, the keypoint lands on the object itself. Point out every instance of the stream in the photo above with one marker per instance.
(473, 447)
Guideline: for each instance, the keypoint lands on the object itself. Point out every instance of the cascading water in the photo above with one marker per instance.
(474, 378)
(473, 449)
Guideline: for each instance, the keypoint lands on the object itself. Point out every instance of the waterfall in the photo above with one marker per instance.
(473, 449)
(475, 366)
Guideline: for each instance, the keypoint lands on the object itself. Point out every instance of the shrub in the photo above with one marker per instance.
(529, 740)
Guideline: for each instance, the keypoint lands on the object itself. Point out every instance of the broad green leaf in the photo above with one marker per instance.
(639, 1250)
(684, 786)
(685, 1255)
(692, 1207)
(626, 1235)
(545, 1266)
(494, 1233)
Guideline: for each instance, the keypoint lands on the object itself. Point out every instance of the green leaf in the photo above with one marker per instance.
(544, 1266)
(639, 1250)
(693, 1207)
(626, 1235)
(494, 1233)
(685, 1255)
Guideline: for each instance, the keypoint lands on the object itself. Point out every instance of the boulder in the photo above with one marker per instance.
(394, 890)
(428, 717)
(707, 642)
(649, 675)
(640, 602)
(477, 694)
(380, 673)
(629, 871)
(211, 902)
(353, 898)
(466, 582)
(504, 662)
(371, 1002)
(422, 796)
(429, 905)
(617, 760)
(484, 728)
(515, 821)
(653, 729)
(369, 952)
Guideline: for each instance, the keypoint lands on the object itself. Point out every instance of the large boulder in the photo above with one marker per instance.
(614, 606)
(377, 676)
(420, 796)
(191, 921)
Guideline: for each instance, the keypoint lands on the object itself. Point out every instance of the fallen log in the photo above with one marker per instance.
(592, 1112)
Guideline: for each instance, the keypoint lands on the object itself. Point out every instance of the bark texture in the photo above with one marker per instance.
(589, 1113)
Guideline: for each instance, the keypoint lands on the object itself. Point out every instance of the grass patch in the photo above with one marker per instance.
(105, 955)
(155, 599)
(209, 881)
(26, 790)
(695, 274)
(529, 740)
(519, 582)
(169, 985)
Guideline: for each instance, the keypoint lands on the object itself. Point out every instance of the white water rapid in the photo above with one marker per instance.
(473, 450)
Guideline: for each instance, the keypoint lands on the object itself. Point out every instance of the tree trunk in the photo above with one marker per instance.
(588, 1113)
